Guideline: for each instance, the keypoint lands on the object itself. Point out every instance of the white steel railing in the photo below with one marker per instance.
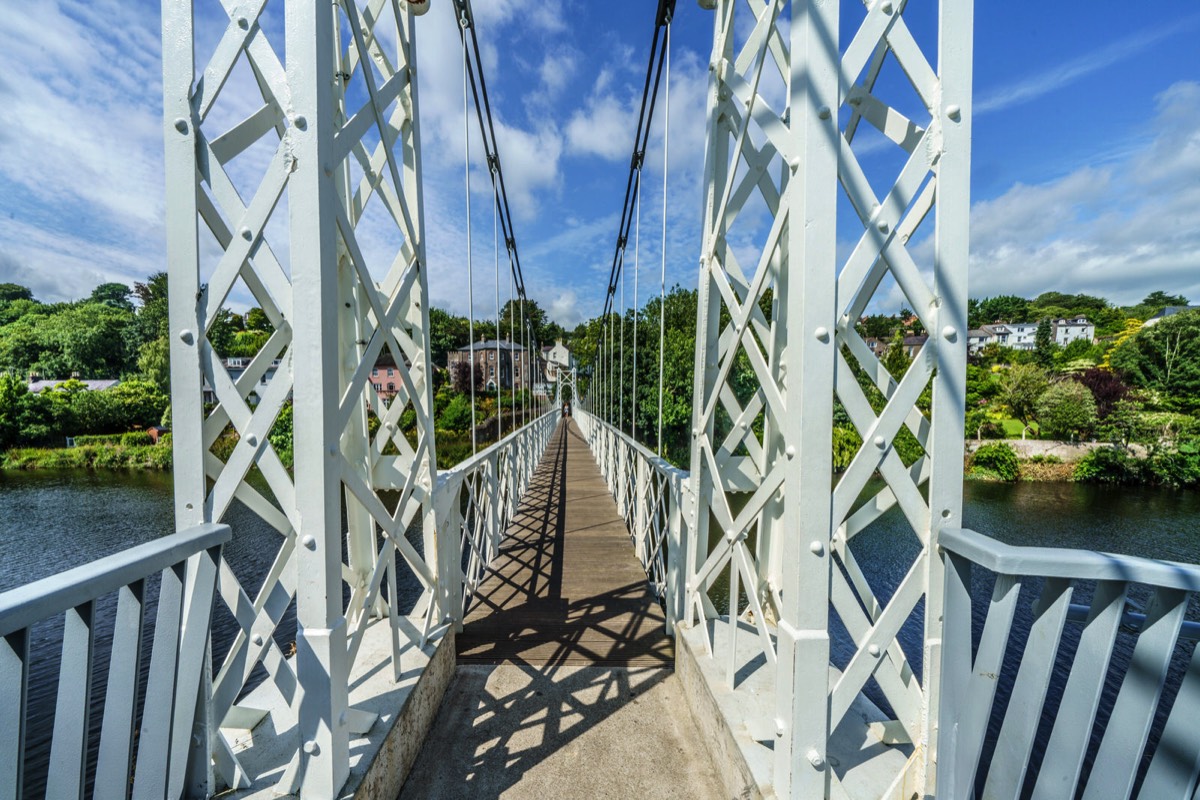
(650, 496)
(147, 730)
(477, 499)
(1104, 641)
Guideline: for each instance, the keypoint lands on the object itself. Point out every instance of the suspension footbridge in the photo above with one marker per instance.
(729, 595)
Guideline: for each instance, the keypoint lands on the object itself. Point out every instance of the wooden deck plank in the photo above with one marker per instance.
(566, 587)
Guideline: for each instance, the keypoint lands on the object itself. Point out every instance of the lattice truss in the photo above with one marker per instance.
(739, 455)
(386, 476)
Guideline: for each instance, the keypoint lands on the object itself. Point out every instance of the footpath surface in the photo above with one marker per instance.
(565, 685)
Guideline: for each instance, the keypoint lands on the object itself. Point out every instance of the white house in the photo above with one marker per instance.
(557, 356)
(1070, 330)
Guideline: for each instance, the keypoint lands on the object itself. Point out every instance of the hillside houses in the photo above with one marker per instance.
(1023, 335)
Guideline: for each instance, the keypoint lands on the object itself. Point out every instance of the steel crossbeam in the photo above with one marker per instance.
(337, 148)
(785, 103)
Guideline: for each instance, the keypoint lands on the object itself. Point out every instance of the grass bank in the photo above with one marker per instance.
(92, 456)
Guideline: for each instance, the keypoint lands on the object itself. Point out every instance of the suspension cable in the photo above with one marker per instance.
(499, 362)
(662, 278)
(654, 73)
(637, 244)
(474, 79)
(470, 271)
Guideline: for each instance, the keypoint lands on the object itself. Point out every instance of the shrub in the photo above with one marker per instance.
(457, 416)
(997, 460)
(1177, 467)
(1067, 410)
(1109, 465)
(136, 439)
(88, 440)
(846, 443)
(1045, 459)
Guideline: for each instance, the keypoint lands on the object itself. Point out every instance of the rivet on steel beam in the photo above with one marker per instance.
(186, 336)
(779, 727)
(880, 442)
(333, 451)
(181, 125)
(886, 8)
(243, 23)
(247, 234)
(949, 333)
(256, 639)
(311, 748)
(824, 112)
(816, 547)
(252, 440)
(874, 650)
(815, 759)
(309, 542)
(300, 122)
(882, 225)
(954, 112)
(342, 720)
(791, 451)
(822, 333)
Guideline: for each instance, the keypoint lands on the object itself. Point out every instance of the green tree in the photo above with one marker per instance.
(113, 294)
(12, 391)
(895, 360)
(1002, 308)
(1165, 358)
(1067, 410)
(1043, 343)
(88, 339)
(10, 292)
(1124, 423)
(1021, 386)
(446, 332)
(257, 320)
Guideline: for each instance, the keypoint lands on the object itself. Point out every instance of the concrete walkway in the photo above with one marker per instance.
(565, 685)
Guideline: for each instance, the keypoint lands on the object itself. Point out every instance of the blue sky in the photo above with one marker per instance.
(1086, 172)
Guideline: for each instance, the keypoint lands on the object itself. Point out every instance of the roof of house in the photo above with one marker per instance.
(1171, 311)
(490, 344)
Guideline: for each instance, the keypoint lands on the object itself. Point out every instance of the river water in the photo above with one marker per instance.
(51, 521)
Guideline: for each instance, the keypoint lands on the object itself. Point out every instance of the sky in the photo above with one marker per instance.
(1085, 171)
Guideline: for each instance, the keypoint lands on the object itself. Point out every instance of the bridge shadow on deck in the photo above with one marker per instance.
(566, 588)
(565, 685)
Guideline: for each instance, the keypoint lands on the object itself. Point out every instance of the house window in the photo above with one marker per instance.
(491, 355)
(389, 372)
(379, 387)
(391, 387)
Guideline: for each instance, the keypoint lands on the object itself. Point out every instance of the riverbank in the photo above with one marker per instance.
(156, 457)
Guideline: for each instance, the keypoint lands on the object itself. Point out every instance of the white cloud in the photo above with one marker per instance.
(1119, 232)
(605, 125)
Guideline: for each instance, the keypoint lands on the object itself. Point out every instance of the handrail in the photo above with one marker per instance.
(478, 498)
(1058, 562)
(1122, 657)
(471, 462)
(650, 493)
(154, 757)
(28, 604)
